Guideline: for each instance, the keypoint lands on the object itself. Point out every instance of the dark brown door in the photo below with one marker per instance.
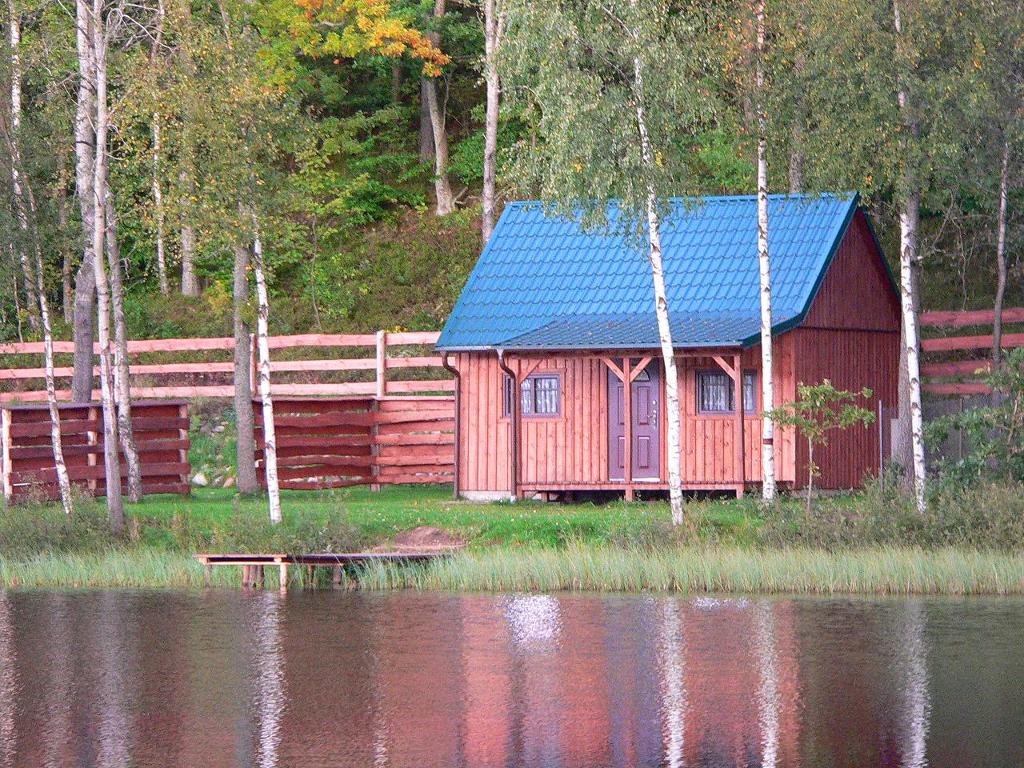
(646, 395)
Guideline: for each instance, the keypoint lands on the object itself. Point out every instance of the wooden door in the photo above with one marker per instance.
(646, 425)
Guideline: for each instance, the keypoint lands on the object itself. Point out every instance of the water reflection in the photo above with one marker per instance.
(224, 679)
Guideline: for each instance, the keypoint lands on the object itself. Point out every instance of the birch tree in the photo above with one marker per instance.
(156, 185)
(614, 88)
(764, 268)
(492, 38)
(99, 37)
(263, 345)
(26, 216)
(444, 197)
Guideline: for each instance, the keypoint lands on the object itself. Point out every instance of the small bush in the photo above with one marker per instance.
(295, 534)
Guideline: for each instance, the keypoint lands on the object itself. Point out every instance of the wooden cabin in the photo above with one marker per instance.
(565, 318)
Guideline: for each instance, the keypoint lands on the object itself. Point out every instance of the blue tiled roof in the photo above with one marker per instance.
(545, 283)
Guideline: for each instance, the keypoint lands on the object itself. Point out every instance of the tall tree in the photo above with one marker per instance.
(100, 32)
(492, 38)
(615, 87)
(444, 197)
(764, 266)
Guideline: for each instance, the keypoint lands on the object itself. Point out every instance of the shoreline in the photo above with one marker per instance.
(577, 568)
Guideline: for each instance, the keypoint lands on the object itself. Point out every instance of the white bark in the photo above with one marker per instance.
(122, 375)
(25, 213)
(675, 481)
(764, 264)
(1004, 196)
(85, 137)
(909, 219)
(263, 345)
(158, 197)
(492, 37)
(111, 463)
(14, 43)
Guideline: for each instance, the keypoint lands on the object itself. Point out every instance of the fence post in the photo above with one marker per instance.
(382, 363)
(183, 434)
(5, 446)
(92, 439)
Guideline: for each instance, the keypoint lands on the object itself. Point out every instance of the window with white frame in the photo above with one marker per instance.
(716, 392)
(540, 394)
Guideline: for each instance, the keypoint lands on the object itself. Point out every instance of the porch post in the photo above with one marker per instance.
(741, 452)
(627, 418)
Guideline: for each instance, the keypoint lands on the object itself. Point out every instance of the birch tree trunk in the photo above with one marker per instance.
(158, 197)
(910, 214)
(25, 212)
(189, 281)
(492, 37)
(14, 42)
(85, 139)
(122, 380)
(115, 509)
(263, 343)
(764, 269)
(442, 184)
(245, 448)
(675, 481)
(1004, 195)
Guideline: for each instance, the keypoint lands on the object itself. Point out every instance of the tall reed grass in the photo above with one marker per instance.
(887, 571)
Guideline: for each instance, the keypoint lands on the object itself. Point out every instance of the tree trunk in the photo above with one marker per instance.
(492, 32)
(796, 135)
(910, 214)
(245, 449)
(111, 463)
(263, 343)
(122, 380)
(997, 321)
(675, 481)
(25, 212)
(426, 129)
(66, 288)
(14, 41)
(85, 138)
(442, 184)
(764, 264)
(810, 477)
(189, 281)
(158, 210)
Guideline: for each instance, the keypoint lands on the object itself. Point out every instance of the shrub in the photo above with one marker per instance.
(38, 526)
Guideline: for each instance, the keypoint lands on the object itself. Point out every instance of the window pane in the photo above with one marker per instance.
(526, 397)
(506, 395)
(546, 394)
(749, 394)
(714, 392)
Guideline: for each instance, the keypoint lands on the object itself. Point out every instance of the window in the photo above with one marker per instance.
(716, 393)
(539, 395)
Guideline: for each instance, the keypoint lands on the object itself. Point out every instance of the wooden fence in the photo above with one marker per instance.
(331, 443)
(954, 364)
(376, 364)
(161, 434)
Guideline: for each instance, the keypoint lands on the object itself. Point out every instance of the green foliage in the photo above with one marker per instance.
(38, 526)
(819, 410)
(993, 434)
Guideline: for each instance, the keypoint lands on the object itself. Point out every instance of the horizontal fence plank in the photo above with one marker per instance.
(957, 388)
(955, 343)
(956, 368)
(965, 318)
(413, 337)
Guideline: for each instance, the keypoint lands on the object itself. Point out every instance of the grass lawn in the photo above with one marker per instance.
(378, 516)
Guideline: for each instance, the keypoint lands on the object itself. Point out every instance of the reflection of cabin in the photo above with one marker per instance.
(569, 315)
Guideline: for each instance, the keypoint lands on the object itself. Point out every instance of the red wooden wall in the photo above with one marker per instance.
(161, 435)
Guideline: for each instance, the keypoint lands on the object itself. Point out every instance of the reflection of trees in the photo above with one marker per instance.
(671, 683)
(768, 696)
(113, 727)
(268, 671)
(8, 681)
(57, 683)
(911, 658)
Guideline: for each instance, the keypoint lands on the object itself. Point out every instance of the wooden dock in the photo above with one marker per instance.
(253, 565)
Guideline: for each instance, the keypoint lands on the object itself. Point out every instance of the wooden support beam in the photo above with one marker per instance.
(741, 452)
(613, 368)
(639, 368)
(627, 419)
(725, 366)
(5, 447)
(382, 363)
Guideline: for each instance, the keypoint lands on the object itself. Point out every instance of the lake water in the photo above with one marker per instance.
(567, 681)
